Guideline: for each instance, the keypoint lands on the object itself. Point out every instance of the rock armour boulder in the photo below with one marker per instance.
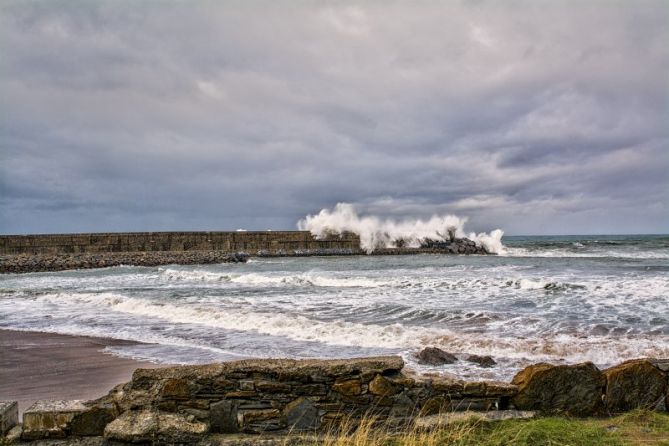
(634, 384)
(567, 389)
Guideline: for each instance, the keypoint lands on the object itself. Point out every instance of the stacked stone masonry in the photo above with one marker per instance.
(183, 404)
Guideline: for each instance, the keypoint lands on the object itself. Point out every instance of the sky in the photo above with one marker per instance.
(537, 117)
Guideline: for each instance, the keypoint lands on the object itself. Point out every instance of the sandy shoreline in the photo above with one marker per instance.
(36, 366)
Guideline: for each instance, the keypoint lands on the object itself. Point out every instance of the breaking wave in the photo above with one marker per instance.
(256, 279)
(376, 233)
(551, 345)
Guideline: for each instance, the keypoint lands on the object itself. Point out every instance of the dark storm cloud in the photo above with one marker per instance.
(537, 117)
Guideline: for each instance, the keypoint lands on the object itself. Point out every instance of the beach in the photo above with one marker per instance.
(38, 366)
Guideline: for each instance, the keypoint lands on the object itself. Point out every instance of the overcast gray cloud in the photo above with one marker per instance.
(533, 116)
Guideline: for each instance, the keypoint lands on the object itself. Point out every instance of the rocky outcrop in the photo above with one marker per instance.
(566, 389)
(435, 356)
(454, 246)
(634, 384)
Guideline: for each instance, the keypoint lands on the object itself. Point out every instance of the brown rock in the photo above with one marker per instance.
(272, 387)
(483, 361)
(348, 387)
(154, 427)
(435, 356)
(175, 388)
(634, 384)
(570, 389)
(449, 386)
(251, 416)
(500, 389)
(241, 394)
(382, 386)
(476, 388)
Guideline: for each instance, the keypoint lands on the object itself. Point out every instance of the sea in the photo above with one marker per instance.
(562, 299)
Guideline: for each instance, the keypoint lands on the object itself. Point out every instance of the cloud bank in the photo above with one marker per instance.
(533, 116)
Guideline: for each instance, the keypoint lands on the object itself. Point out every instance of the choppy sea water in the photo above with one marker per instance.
(557, 299)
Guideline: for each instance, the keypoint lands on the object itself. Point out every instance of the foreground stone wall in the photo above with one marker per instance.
(184, 404)
(270, 242)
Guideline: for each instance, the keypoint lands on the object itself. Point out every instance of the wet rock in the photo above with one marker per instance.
(634, 384)
(154, 427)
(483, 361)
(435, 356)
(569, 389)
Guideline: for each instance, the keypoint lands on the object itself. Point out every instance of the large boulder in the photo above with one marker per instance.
(435, 356)
(147, 426)
(568, 389)
(634, 384)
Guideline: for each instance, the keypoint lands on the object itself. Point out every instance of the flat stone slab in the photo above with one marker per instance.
(50, 418)
(9, 415)
(444, 419)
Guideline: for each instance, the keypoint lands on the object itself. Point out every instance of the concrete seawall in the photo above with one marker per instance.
(269, 242)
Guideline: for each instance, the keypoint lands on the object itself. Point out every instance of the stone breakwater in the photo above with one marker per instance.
(187, 404)
(33, 253)
(57, 262)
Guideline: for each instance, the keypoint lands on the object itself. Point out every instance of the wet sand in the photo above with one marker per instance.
(36, 366)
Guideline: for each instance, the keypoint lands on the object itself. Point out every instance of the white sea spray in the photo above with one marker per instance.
(375, 232)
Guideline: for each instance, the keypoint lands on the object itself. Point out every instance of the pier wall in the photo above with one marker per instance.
(267, 242)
